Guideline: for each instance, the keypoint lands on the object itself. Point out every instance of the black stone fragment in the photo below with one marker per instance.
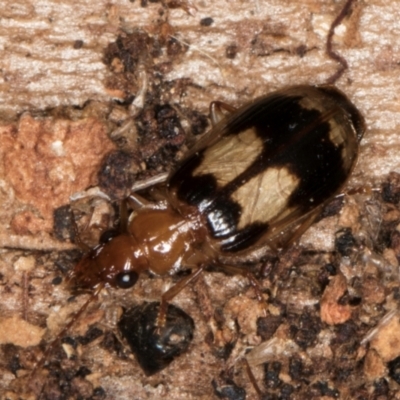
(394, 369)
(117, 173)
(208, 21)
(63, 228)
(322, 388)
(391, 189)
(92, 334)
(344, 242)
(271, 374)
(381, 387)
(229, 390)
(155, 350)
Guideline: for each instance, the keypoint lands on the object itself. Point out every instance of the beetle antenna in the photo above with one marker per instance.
(77, 237)
(123, 216)
(329, 46)
(252, 378)
(66, 328)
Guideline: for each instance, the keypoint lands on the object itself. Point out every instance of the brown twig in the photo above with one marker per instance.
(329, 46)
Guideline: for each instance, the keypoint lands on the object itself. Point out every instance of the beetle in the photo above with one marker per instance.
(253, 184)
(255, 181)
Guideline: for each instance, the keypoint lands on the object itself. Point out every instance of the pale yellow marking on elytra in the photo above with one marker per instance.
(340, 129)
(336, 133)
(230, 156)
(265, 196)
(312, 103)
(343, 134)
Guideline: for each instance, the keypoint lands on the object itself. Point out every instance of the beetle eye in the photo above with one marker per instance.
(107, 235)
(126, 280)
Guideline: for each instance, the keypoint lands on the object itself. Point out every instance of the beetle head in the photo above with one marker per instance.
(117, 262)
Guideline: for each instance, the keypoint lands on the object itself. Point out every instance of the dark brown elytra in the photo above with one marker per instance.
(197, 223)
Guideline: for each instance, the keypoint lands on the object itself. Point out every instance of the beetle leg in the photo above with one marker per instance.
(247, 274)
(123, 216)
(175, 290)
(293, 235)
(140, 185)
(39, 364)
(252, 377)
(364, 190)
(284, 234)
(77, 239)
(136, 201)
(219, 110)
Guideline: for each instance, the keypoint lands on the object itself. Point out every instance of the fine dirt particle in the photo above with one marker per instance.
(332, 312)
(16, 331)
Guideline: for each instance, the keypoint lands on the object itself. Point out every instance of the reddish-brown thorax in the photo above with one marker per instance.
(156, 239)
